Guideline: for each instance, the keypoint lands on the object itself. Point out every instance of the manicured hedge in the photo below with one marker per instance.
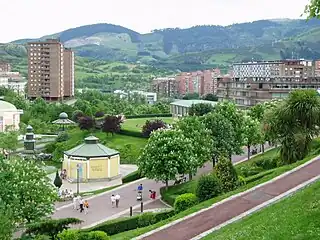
(132, 177)
(129, 223)
(131, 133)
(149, 115)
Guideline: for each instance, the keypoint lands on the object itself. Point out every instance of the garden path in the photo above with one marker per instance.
(100, 205)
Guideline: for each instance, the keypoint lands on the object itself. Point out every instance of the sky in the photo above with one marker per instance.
(36, 18)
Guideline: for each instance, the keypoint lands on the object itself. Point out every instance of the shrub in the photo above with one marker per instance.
(208, 187)
(112, 124)
(62, 137)
(131, 133)
(42, 237)
(57, 181)
(69, 235)
(132, 177)
(152, 125)
(76, 115)
(250, 169)
(97, 235)
(99, 114)
(185, 201)
(227, 174)
(86, 123)
(267, 163)
(242, 181)
(129, 223)
(149, 115)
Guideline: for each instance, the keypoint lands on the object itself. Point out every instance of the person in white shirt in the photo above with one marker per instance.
(113, 200)
(117, 197)
(81, 204)
(75, 203)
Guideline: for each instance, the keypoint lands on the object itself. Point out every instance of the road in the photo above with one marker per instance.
(100, 206)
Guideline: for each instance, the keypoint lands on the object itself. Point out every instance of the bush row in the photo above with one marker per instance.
(149, 115)
(129, 223)
(131, 133)
(132, 177)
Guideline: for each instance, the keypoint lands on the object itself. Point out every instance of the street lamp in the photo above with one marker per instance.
(78, 177)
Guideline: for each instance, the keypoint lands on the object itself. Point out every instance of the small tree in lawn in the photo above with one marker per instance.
(226, 173)
(26, 190)
(152, 125)
(76, 115)
(201, 139)
(200, 109)
(86, 123)
(112, 124)
(57, 181)
(167, 154)
(252, 133)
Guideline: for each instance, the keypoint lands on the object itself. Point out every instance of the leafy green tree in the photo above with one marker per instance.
(210, 97)
(200, 109)
(9, 140)
(6, 223)
(167, 154)
(57, 181)
(26, 190)
(223, 135)
(208, 187)
(200, 138)
(313, 9)
(76, 115)
(252, 133)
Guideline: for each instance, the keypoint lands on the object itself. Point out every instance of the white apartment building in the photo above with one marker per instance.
(151, 97)
(14, 81)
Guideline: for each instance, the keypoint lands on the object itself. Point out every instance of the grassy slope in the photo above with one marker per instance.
(296, 217)
(266, 177)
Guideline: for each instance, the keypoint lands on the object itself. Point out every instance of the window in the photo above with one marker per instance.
(260, 85)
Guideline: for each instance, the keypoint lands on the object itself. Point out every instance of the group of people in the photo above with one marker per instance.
(65, 193)
(152, 193)
(79, 204)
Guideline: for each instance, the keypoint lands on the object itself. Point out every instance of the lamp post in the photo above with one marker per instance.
(78, 177)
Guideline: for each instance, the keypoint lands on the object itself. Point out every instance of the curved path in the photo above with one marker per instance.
(197, 225)
(101, 209)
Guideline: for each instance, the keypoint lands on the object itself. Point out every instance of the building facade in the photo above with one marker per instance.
(256, 90)
(46, 70)
(288, 68)
(68, 68)
(5, 67)
(14, 81)
(180, 108)
(165, 86)
(9, 116)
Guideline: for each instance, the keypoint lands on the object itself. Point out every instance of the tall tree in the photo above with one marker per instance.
(26, 190)
(200, 109)
(252, 133)
(167, 154)
(200, 138)
(112, 124)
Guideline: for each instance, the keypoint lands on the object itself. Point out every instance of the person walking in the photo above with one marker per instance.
(117, 197)
(86, 206)
(81, 204)
(140, 188)
(75, 203)
(113, 200)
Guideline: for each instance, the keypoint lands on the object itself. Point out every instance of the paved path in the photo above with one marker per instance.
(100, 205)
(191, 227)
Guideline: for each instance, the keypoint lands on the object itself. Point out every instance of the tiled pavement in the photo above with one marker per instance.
(100, 206)
(221, 213)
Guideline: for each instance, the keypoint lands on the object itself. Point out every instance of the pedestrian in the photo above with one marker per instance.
(86, 206)
(75, 203)
(81, 204)
(113, 200)
(140, 188)
(152, 194)
(117, 197)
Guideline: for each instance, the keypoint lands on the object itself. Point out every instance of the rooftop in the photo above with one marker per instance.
(91, 148)
(6, 106)
(188, 103)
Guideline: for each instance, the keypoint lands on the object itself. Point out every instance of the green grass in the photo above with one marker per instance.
(296, 217)
(271, 174)
(136, 124)
(99, 191)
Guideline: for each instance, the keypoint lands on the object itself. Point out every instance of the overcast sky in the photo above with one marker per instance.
(35, 18)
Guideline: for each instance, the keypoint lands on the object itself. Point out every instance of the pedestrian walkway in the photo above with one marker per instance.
(220, 214)
(100, 205)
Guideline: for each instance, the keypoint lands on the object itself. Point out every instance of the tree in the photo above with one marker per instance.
(112, 124)
(200, 109)
(200, 138)
(313, 9)
(86, 123)
(208, 187)
(152, 125)
(227, 174)
(26, 190)
(252, 133)
(190, 96)
(6, 223)
(293, 123)
(223, 135)
(51, 227)
(76, 115)
(167, 154)
(9, 140)
(57, 181)
(210, 97)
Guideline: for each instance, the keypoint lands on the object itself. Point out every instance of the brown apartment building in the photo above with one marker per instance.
(165, 86)
(50, 70)
(255, 90)
(5, 67)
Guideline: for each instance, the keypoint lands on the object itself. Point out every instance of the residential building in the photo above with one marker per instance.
(9, 116)
(165, 86)
(14, 81)
(255, 90)
(150, 97)
(68, 68)
(292, 68)
(180, 108)
(5, 67)
(46, 70)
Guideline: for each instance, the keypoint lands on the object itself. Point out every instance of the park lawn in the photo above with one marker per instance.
(296, 217)
(136, 124)
(264, 177)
